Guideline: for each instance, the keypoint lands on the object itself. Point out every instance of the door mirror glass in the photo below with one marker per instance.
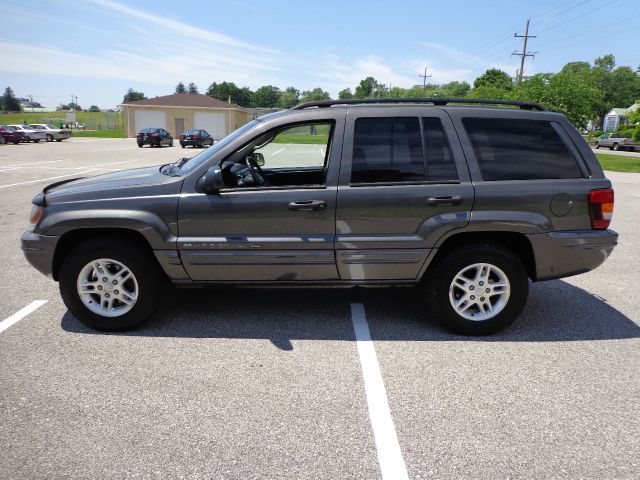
(211, 182)
(258, 158)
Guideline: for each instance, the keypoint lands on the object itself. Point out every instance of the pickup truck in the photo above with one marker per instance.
(616, 141)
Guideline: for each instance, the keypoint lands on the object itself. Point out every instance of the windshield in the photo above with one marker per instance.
(149, 130)
(212, 150)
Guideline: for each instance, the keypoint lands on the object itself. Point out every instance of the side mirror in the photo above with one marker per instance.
(258, 158)
(211, 182)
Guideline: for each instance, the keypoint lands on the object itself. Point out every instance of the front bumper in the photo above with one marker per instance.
(39, 250)
(566, 253)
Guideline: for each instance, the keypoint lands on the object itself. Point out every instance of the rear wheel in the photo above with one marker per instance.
(477, 290)
(37, 140)
(171, 142)
(59, 139)
(109, 287)
(2, 140)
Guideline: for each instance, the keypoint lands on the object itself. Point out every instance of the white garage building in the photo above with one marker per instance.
(180, 112)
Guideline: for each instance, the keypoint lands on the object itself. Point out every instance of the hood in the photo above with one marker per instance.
(126, 183)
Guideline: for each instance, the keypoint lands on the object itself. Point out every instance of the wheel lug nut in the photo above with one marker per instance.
(116, 292)
(481, 283)
(487, 290)
(104, 279)
(472, 287)
(107, 295)
(115, 282)
(482, 299)
(99, 287)
(472, 297)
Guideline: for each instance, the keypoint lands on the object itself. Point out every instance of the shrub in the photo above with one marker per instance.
(636, 135)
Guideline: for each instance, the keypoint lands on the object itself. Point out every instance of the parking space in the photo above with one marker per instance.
(256, 383)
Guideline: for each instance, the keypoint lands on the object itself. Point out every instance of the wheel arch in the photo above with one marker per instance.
(72, 238)
(516, 242)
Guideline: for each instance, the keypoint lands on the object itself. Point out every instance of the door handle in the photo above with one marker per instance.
(313, 205)
(447, 200)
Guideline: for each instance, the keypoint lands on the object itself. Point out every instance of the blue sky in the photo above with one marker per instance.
(97, 49)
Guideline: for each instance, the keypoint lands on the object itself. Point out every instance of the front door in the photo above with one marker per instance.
(282, 229)
(403, 184)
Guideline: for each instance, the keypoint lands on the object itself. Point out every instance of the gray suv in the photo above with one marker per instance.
(466, 202)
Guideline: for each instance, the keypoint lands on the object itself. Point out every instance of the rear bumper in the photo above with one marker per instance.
(39, 250)
(191, 142)
(566, 253)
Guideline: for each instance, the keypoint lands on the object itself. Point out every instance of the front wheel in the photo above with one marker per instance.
(597, 145)
(477, 290)
(49, 137)
(110, 287)
(37, 140)
(616, 147)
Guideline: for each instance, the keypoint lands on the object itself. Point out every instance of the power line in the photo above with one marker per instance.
(579, 16)
(424, 82)
(524, 53)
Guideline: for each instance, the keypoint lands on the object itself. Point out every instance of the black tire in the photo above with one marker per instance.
(597, 145)
(171, 142)
(149, 277)
(440, 278)
(139, 145)
(16, 142)
(182, 144)
(49, 137)
(37, 140)
(59, 139)
(2, 140)
(615, 147)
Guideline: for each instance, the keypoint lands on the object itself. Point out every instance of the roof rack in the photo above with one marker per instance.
(437, 101)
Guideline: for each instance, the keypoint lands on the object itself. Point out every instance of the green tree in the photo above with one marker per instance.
(345, 94)
(620, 87)
(455, 89)
(314, 95)
(634, 116)
(192, 89)
(287, 100)
(226, 91)
(94, 108)
(11, 103)
(266, 97)
(367, 88)
(494, 78)
(489, 92)
(132, 96)
(180, 88)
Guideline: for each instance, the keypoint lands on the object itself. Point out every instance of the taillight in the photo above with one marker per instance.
(181, 136)
(601, 208)
(155, 135)
(197, 135)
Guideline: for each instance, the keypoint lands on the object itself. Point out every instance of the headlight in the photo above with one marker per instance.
(36, 214)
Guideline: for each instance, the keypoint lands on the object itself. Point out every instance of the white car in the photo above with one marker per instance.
(51, 133)
(30, 134)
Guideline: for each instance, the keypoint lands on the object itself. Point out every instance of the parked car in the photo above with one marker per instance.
(464, 202)
(51, 133)
(11, 135)
(155, 137)
(30, 135)
(616, 141)
(196, 138)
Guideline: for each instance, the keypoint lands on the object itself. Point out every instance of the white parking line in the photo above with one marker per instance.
(277, 152)
(390, 459)
(20, 314)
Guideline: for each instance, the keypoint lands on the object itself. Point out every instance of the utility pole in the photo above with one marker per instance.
(524, 53)
(424, 81)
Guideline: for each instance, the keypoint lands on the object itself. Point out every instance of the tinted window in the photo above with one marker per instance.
(387, 150)
(508, 149)
(440, 165)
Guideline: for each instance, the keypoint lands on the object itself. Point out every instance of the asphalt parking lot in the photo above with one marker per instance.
(273, 384)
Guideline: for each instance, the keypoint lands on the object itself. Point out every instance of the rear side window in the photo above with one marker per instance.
(440, 165)
(387, 150)
(508, 149)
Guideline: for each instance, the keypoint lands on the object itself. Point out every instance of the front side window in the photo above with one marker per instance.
(387, 150)
(288, 157)
(516, 149)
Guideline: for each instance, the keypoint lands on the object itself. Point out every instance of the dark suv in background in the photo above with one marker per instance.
(154, 137)
(467, 202)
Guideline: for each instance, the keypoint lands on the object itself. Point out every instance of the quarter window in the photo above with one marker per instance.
(387, 150)
(511, 149)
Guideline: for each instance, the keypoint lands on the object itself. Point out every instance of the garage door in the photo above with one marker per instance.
(214, 123)
(150, 119)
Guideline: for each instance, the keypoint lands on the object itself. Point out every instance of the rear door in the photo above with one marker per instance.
(403, 184)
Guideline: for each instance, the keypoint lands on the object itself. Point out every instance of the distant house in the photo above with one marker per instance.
(617, 117)
(180, 112)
